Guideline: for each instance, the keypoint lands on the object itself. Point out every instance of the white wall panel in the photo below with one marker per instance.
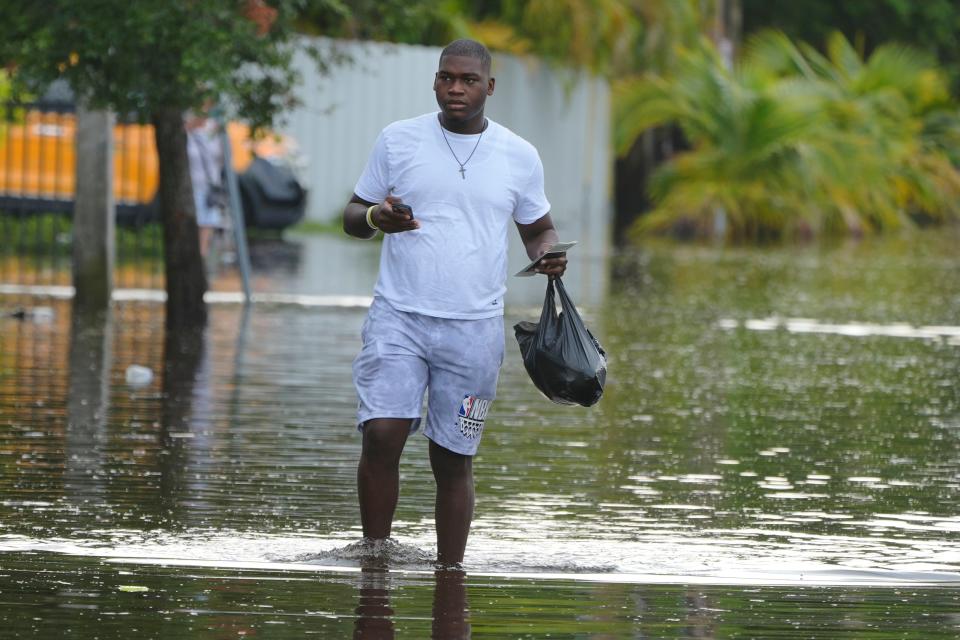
(565, 115)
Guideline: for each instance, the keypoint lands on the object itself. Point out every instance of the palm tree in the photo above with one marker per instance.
(895, 107)
(748, 164)
(791, 141)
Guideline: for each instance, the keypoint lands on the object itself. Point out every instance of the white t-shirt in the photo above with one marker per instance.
(455, 264)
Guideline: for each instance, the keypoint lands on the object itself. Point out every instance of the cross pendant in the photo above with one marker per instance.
(463, 173)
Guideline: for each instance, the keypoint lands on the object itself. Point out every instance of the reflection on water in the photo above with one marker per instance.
(374, 616)
(47, 594)
(737, 480)
(87, 403)
(376, 619)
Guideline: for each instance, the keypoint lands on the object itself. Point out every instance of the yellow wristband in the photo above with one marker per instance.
(370, 217)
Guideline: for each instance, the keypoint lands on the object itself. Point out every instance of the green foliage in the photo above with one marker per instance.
(930, 25)
(793, 141)
(4, 98)
(407, 21)
(141, 55)
(604, 36)
(588, 34)
(667, 28)
(608, 37)
(4, 86)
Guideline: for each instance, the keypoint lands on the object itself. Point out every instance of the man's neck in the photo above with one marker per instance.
(472, 126)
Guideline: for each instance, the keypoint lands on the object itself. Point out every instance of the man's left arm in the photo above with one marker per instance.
(537, 238)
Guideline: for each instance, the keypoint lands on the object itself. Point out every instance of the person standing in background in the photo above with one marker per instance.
(205, 154)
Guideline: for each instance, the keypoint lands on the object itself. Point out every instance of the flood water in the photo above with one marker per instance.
(777, 455)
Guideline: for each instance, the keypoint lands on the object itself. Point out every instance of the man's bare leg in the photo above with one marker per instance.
(453, 510)
(378, 474)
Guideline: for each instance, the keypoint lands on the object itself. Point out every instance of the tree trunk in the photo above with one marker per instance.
(185, 274)
(632, 175)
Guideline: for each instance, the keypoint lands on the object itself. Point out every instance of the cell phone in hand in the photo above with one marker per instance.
(399, 207)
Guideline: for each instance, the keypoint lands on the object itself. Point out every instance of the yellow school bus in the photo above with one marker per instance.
(38, 169)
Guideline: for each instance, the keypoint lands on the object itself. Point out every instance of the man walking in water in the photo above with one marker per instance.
(443, 187)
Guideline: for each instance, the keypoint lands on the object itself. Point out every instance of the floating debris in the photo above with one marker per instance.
(39, 315)
(138, 375)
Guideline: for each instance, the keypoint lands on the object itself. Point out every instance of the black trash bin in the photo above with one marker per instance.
(273, 198)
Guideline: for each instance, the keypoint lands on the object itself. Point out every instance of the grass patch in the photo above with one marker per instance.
(310, 227)
(47, 232)
(52, 234)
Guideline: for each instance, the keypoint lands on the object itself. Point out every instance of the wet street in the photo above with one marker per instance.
(777, 455)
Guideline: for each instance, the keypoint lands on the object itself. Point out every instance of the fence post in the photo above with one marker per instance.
(94, 220)
(236, 212)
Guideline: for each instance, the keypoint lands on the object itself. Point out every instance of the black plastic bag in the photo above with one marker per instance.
(563, 358)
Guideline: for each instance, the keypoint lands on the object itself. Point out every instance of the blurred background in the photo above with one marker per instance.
(765, 196)
(745, 121)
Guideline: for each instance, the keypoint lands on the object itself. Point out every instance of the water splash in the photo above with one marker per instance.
(371, 553)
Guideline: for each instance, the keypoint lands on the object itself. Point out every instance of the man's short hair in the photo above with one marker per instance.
(468, 49)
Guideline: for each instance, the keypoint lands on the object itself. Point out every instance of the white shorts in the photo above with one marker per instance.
(456, 361)
(206, 216)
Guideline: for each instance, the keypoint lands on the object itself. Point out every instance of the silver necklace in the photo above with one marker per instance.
(463, 165)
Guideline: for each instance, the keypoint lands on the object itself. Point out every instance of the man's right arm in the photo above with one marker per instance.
(355, 218)
(382, 216)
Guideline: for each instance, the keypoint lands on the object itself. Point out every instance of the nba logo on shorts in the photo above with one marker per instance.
(473, 411)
